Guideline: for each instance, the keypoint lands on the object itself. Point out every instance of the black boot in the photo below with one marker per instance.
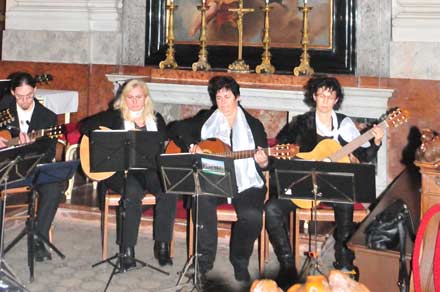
(344, 257)
(162, 253)
(128, 259)
(287, 275)
(41, 254)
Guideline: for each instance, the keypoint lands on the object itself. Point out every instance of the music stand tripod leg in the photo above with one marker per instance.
(311, 264)
(195, 257)
(7, 276)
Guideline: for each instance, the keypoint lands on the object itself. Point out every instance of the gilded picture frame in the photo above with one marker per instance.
(332, 48)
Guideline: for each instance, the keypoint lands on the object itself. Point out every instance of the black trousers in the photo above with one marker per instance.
(49, 197)
(138, 183)
(249, 206)
(277, 211)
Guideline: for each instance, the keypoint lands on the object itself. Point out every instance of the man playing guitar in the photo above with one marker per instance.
(29, 115)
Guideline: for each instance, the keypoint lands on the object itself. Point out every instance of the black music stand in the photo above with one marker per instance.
(121, 150)
(56, 172)
(197, 175)
(16, 168)
(345, 183)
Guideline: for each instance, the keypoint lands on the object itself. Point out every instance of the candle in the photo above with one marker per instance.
(203, 2)
(267, 2)
(305, 2)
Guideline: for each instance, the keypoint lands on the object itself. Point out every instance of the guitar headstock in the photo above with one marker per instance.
(43, 78)
(6, 117)
(397, 117)
(55, 131)
(284, 151)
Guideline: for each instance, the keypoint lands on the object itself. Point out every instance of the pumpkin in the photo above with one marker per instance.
(265, 285)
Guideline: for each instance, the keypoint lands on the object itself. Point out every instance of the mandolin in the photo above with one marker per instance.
(52, 132)
(217, 147)
(330, 150)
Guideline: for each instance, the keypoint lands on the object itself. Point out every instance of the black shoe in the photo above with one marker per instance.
(41, 254)
(128, 259)
(162, 253)
(242, 274)
(287, 276)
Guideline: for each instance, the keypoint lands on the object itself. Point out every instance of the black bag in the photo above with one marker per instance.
(388, 230)
(383, 232)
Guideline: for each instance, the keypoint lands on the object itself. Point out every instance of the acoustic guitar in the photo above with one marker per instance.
(330, 150)
(52, 132)
(217, 147)
(84, 158)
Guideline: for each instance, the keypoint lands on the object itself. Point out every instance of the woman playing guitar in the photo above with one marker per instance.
(324, 96)
(133, 109)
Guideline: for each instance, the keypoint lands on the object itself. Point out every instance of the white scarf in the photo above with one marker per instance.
(150, 124)
(216, 126)
(347, 130)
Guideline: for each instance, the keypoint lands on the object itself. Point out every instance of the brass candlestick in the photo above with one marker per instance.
(304, 67)
(169, 62)
(266, 66)
(240, 65)
(202, 64)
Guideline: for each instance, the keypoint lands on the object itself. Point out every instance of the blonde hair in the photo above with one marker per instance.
(121, 102)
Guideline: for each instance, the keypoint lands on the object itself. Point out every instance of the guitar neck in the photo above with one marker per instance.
(356, 143)
(34, 135)
(242, 153)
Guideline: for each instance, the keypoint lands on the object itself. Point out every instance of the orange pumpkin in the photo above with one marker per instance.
(265, 285)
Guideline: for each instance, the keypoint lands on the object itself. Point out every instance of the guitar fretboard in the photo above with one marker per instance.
(356, 143)
(242, 153)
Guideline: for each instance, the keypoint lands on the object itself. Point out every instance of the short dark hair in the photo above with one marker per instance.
(219, 82)
(325, 82)
(22, 78)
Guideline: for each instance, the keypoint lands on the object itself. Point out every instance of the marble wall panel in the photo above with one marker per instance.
(373, 35)
(45, 46)
(415, 60)
(133, 31)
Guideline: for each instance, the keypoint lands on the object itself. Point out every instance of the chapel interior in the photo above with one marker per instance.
(382, 52)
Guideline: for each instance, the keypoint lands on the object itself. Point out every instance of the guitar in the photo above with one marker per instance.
(217, 147)
(52, 132)
(6, 118)
(84, 158)
(330, 150)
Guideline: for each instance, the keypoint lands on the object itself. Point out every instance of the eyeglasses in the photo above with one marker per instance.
(324, 96)
(23, 97)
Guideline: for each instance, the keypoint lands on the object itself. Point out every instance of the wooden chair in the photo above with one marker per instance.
(322, 214)
(71, 154)
(229, 215)
(112, 200)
